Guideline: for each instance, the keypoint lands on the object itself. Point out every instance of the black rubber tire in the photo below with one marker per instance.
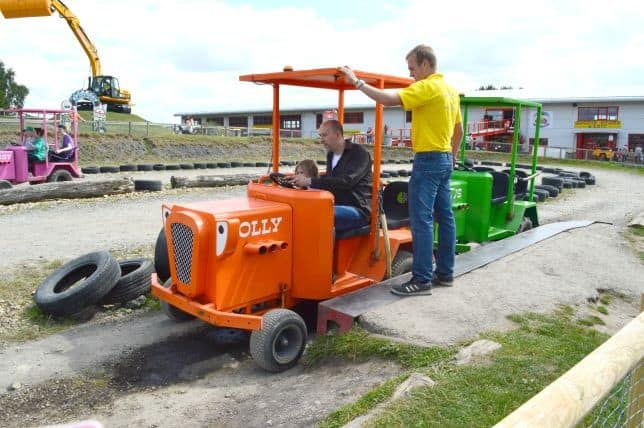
(127, 168)
(77, 284)
(135, 280)
(199, 165)
(320, 162)
(280, 343)
(384, 175)
(151, 185)
(109, 168)
(552, 181)
(549, 170)
(223, 164)
(4, 184)
(172, 167)
(161, 258)
(145, 167)
(493, 163)
(584, 174)
(235, 164)
(526, 224)
(553, 190)
(568, 185)
(568, 174)
(590, 180)
(580, 183)
(90, 170)
(544, 194)
(402, 263)
(59, 175)
(186, 166)
(171, 312)
(211, 165)
(248, 164)
(262, 164)
(158, 167)
(403, 172)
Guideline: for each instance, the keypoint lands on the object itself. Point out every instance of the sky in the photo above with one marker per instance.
(187, 55)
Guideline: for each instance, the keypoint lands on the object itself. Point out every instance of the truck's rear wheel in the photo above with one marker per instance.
(280, 343)
(172, 312)
(59, 175)
(161, 259)
(4, 184)
(402, 263)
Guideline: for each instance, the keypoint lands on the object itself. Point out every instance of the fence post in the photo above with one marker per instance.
(147, 129)
(636, 392)
(129, 129)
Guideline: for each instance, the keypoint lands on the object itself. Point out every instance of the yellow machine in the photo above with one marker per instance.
(100, 87)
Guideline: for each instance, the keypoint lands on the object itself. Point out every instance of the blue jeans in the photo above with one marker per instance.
(347, 217)
(428, 191)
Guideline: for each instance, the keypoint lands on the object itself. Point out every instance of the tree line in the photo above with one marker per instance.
(12, 94)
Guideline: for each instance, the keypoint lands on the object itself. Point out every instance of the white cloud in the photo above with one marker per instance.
(187, 55)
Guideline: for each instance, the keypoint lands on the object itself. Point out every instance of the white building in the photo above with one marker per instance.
(568, 123)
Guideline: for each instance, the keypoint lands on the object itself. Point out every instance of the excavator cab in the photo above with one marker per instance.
(105, 86)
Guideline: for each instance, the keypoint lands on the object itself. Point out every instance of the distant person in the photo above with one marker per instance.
(66, 151)
(28, 137)
(639, 157)
(37, 152)
(370, 135)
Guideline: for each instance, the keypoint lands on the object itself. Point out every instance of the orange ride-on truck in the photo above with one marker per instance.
(245, 263)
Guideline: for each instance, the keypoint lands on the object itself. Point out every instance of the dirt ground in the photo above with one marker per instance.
(142, 370)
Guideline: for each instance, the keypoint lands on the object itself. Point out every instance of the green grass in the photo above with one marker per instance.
(532, 356)
(602, 309)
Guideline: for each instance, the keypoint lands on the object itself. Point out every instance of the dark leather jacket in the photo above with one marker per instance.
(351, 179)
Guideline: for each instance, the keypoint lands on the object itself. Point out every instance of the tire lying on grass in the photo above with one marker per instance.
(135, 280)
(90, 170)
(77, 284)
(158, 167)
(109, 168)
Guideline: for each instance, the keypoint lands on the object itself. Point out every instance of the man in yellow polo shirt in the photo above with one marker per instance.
(436, 133)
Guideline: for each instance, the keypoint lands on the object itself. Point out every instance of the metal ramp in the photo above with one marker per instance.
(344, 309)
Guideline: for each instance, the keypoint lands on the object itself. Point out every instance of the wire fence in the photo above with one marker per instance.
(623, 407)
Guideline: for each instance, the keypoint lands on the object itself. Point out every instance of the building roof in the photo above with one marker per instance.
(517, 94)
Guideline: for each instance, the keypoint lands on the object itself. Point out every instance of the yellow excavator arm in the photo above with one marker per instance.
(106, 87)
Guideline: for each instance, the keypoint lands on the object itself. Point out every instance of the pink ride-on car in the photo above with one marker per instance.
(15, 167)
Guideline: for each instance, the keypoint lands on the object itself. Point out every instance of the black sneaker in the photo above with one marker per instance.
(413, 287)
(442, 281)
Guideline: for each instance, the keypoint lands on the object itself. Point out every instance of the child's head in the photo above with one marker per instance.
(308, 168)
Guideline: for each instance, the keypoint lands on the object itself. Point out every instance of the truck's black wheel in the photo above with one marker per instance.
(172, 312)
(526, 224)
(4, 184)
(135, 280)
(402, 263)
(59, 175)
(280, 343)
(77, 284)
(161, 260)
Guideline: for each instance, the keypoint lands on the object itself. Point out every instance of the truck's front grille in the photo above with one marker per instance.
(182, 241)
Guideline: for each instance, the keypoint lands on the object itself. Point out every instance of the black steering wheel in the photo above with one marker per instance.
(280, 179)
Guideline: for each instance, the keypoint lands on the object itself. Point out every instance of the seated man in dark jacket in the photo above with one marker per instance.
(348, 176)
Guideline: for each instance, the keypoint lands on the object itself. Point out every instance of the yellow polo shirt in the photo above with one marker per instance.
(435, 110)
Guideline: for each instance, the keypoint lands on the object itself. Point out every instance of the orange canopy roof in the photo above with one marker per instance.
(326, 78)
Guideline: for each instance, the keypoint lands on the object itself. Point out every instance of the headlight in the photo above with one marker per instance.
(222, 237)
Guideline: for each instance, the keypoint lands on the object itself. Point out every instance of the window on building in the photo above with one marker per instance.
(318, 120)
(290, 121)
(598, 113)
(215, 121)
(408, 116)
(542, 141)
(238, 121)
(353, 117)
(262, 120)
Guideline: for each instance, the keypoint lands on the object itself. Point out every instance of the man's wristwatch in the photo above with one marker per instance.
(359, 83)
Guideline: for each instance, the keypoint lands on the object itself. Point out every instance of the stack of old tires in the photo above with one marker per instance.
(552, 185)
(93, 280)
